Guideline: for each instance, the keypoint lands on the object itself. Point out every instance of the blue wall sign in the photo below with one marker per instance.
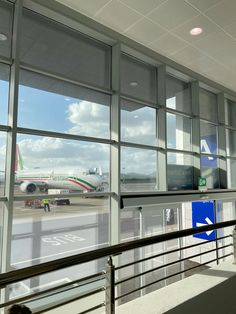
(202, 215)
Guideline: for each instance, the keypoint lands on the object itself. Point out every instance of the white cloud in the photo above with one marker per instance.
(54, 153)
(89, 119)
(139, 126)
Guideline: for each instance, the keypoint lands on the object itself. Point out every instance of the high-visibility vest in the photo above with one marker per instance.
(45, 201)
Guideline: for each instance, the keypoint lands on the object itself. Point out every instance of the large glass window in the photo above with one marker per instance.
(231, 142)
(179, 171)
(208, 105)
(138, 79)
(6, 18)
(62, 107)
(4, 92)
(138, 169)
(209, 146)
(45, 163)
(60, 50)
(231, 112)
(231, 167)
(138, 123)
(210, 171)
(208, 134)
(178, 132)
(65, 230)
(178, 95)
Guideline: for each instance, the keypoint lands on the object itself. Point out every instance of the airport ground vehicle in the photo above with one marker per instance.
(59, 200)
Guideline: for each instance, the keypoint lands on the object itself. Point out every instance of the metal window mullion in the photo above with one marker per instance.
(222, 141)
(161, 129)
(11, 143)
(65, 136)
(4, 60)
(147, 103)
(115, 147)
(136, 145)
(196, 139)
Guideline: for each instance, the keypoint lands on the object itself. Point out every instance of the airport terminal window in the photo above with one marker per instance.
(178, 132)
(62, 107)
(231, 167)
(65, 230)
(138, 123)
(138, 169)
(179, 171)
(210, 171)
(60, 164)
(178, 95)
(6, 20)
(208, 105)
(3, 137)
(138, 79)
(4, 92)
(231, 142)
(209, 141)
(231, 112)
(58, 49)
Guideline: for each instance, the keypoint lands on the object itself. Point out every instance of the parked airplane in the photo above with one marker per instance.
(35, 180)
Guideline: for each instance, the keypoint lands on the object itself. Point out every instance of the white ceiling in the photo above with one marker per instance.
(164, 25)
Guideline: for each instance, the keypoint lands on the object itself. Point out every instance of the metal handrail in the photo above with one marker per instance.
(44, 268)
(171, 263)
(183, 248)
(169, 276)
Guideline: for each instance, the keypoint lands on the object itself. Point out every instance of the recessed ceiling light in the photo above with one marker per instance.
(134, 83)
(136, 116)
(3, 37)
(196, 31)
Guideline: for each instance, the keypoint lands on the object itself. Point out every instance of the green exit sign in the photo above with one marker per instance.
(202, 184)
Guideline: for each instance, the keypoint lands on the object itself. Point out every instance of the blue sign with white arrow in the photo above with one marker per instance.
(202, 215)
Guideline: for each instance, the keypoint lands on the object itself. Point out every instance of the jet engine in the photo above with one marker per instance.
(29, 187)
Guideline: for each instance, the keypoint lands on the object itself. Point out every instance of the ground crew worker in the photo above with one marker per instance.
(46, 205)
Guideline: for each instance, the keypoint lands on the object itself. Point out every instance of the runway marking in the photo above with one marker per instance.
(60, 253)
(63, 239)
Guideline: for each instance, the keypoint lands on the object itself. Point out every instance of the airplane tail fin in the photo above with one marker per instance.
(19, 164)
(100, 171)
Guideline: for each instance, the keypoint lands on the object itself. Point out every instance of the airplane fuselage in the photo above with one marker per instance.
(79, 182)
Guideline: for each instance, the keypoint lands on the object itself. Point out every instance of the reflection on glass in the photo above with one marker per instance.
(231, 167)
(179, 171)
(230, 112)
(138, 79)
(51, 163)
(178, 132)
(61, 50)
(208, 133)
(65, 230)
(4, 92)
(178, 95)
(210, 171)
(138, 169)
(225, 211)
(138, 123)
(208, 105)
(3, 138)
(62, 107)
(6, 20)
(231, 143)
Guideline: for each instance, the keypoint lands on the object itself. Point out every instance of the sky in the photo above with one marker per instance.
(39, 109)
